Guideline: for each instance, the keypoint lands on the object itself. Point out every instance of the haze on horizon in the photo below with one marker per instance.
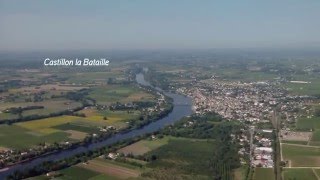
(145, 24)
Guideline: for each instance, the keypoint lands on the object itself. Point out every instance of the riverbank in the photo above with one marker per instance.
(181, 108)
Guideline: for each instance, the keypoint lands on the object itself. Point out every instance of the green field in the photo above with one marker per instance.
(316, 135)
(77, 127)
(295, 142)
(92, 77)
(117, 119)
(264, 174)
(21, 138)
(123, 94)
(317, 171)
(298, 174)
(309, 123)
(182, 158)
(49, 130)
(70, 173)
(311, 88)
(50, 106)
(111, 169)
(46, 125)
(80, 173)
(144, 146)
(301, 156)
(240, 74)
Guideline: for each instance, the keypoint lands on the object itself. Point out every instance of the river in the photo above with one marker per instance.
(181, 108)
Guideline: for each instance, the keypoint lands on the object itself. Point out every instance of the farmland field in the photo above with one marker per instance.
(295, 142)
(50, 106)
(96, 169)
(45, 125)
(77, 127)
(144, 146)
(49, 130)
(263, 174)
(70, 173)
(316, 135)
(240, 173)
(24, 138)
(182, 157)
(309, 123)
(301, 156)
(92, 77)
(117, 119)
(298, 174)
(110, 168)
(310, 88)
(123, 94)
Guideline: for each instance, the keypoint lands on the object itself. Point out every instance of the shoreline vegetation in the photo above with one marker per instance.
(89, 139)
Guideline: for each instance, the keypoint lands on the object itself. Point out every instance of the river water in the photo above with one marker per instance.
(182, 107)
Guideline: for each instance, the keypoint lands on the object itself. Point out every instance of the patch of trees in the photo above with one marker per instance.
(78, 95)
(144, 104)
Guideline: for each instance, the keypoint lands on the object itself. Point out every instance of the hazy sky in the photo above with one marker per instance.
(140, 24)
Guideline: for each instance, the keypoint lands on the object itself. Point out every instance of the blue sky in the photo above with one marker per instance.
(151, 24)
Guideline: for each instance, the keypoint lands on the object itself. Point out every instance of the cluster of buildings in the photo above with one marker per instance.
(234, 100)
(261, 149)
(254, 103)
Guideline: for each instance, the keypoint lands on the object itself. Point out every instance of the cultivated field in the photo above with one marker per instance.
(309, 123)
(301, 155)
(299, 174)
(17, 137)
(118, 119)
(181, 157)
(116, 93)
(263, 174)
(50, 106)
(144, 146)
(110, 168)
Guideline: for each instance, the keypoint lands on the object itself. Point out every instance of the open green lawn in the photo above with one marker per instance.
(21, 138)
(301, 155)
(264, 174)
(298, 174)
